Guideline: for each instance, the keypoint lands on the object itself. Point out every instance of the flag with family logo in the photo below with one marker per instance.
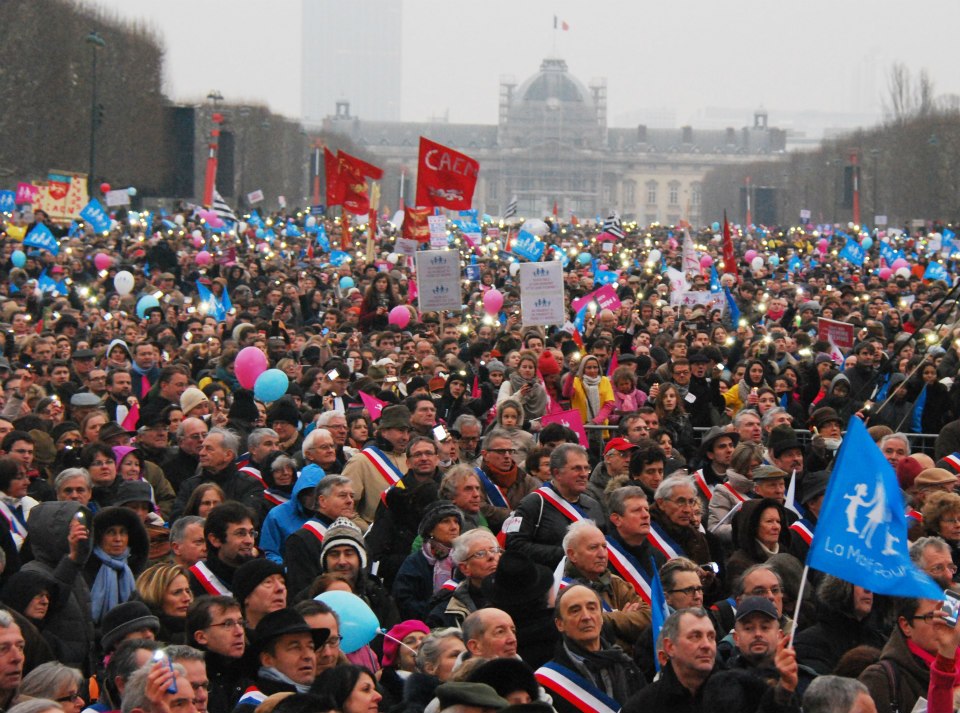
(853, 252)
(41, 237)
(861, 532)
(935, 271)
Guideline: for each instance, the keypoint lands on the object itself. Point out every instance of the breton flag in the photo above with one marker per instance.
(222, 208)
(613, 225)
(511, 209)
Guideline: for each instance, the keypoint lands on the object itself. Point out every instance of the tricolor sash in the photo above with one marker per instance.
(629, 568)
(575, 689)
(316, 528)
(253, 473)
(384, 465)
(209, 581)
(734, 492)
(569, 582)
(954, 460)
(659, 538)
(916, 515)
(804, 528)
(252, 697)
(495, 495)
(449, 585)
(567, 509)
(703, 485)
(17, 528)
(275, 498)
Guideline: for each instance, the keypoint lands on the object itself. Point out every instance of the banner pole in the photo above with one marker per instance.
(796, 609)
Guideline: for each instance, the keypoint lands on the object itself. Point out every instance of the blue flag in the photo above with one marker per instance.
(659, 611)
(935, 271)
(732, 308)
(41, 237)
(527, 245)
(8, 202)
(216, 308)
(853, 252)
(322, 240)
(96, 215)
(714, 280)
(255, 220)
(861, 533)
(794, 264)
(605, 277)
(48, 284)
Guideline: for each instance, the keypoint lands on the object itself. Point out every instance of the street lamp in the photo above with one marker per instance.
(95, 41)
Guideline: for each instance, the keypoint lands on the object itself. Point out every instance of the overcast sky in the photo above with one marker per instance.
(692, 58)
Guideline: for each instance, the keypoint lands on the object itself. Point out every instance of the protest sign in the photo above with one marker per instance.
(571, 419)
(837, 333)
(605, 297)
(541, 293)
(438, 278)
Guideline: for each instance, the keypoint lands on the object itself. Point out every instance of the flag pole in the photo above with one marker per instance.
(796, 609)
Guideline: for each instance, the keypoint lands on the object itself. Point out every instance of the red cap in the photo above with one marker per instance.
(619, 444)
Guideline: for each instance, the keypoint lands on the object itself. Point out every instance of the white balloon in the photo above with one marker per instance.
(392, 258)
(903, 272)
(514, 268)
(311, 221)
(123, 282)
(757, 263)
(654, 256)
(535, 226)
(196, 233)
(178, 219)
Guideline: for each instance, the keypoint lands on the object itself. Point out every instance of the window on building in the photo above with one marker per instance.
(651, 193)
(629, 193)
(696, 194)
(607, 194)
(493, 190)
(674, 193)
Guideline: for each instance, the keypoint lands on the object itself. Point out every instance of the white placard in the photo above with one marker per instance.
(438, 231)
(254, 196)
(121, 196)
(708, 300)
(541, 293)
(405, 246)
(438, 280)
(879, 220)
(804, 214)
(282, 200)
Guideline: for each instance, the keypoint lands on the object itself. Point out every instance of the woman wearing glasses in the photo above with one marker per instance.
(941, 517)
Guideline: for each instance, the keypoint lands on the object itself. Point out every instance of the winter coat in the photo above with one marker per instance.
(236, 486)
(723, 501)
(910, 674)
(413, 587)
(227, 682)
(283, 520)
(451, 608)
(541, 527)
(745, 525)
(620, 681)
(368, 483)
(70, 623)
(616, 593)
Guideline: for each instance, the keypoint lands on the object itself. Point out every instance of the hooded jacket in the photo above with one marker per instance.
(283, 520)
(70, 625)
(745, 525)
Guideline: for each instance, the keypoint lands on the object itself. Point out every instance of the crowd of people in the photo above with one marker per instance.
(171, 543)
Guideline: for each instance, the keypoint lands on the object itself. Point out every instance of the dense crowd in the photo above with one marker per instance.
(402, 527)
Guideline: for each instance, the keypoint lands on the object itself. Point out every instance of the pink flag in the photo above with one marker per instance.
(475, 393)
(130, 421)
(571, 419)
(373, 405)
(614, 363)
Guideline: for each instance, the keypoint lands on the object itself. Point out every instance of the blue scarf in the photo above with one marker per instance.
(113, 585)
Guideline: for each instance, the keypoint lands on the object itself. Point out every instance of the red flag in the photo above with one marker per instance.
(614, 363)
(373, 405)
(556, 209)
(578, 340)
(475, 392)
(729, 256)
(334, 185)
(415, 224)
(130, 421)
(445, 178)
(353, 177)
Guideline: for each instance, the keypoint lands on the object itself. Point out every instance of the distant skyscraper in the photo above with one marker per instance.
(351, 53)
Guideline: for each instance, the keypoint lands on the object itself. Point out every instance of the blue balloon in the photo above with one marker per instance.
(271, 385)
(774, 260)
(18, 258)
(146, 302)
(358, 623)
(260, 233)
(583, 258)
(346, 283)
(866, 243)
(715, 226)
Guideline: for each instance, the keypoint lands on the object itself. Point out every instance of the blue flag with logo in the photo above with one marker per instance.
(322, 240)
(732, 308)
(216, 308)
(96, 215)
(794, 264)
(527, 245)
(935, 271)
(947, 246)
(659, 611)
(41, 237)
(8, 202)
(338, 257)
(861, 533)
(853, 252)
(605, 277)
(255, 220)
(714, 280)
(48, 284)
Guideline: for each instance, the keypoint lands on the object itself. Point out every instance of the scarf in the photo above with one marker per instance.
(269, 673)
(591, 387)
(503, 478)
(535, 402)
(438, 555)
(114, 583)
(607, 668)
(766, 550)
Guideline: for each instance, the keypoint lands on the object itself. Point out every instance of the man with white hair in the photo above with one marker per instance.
(319, 448)
(671, 517)
(475, 554)
(149, 690)
(895, 447)
(837, 694)
(336, 423)
(11, 659)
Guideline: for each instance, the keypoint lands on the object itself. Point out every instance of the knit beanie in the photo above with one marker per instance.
(391, 642)
(344, 532)
(250, 574)
(548, 364)
(436, 512)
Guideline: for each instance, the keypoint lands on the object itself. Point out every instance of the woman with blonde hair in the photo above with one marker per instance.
(165, 589)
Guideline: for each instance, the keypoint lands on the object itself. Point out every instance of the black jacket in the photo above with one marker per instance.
(179, 466)
(221, 569)
(301, 553)
(542, 527)
(227, 682)
(236, 486)
(618, 676)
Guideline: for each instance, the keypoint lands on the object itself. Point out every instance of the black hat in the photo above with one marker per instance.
(699, 358)
(717, 432)
(134, 491)
(243, 408)
(813, 485)
(469, 694)
(283, 409)
(754, 605)
(280, 622)
(112, 430)
(250, 574)
(436, 512)
(124, 619)
(506, 676)
(83, 354)
(63, 427)
(781, 440)
(824, 415)
(517, 580)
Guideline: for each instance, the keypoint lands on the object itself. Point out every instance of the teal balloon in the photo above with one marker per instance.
(18, 258)
(774, 260)
(346, 283)
(271, 385)
(715, 226)
(358, 623)
(260, 233)
(866, 243)
(146, 302)
(583, 258)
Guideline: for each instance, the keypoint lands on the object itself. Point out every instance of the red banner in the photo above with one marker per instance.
(353, 178)
(334, 186)
(445, 178)
(729, 256)
(415, 224)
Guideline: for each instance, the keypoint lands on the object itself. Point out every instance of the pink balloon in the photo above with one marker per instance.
(492, 302)
(749, 255)
(102, 261)
(214, 220)
(885, 273)
(706, 261)
(823, 242)
(399, 316)
(197, 241)
(250, 363)
(898, 263)
(205, 258)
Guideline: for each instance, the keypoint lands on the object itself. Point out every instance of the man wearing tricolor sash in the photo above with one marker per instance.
(539, 523)
(231, 538)
(381, 464)
(625, 614)
(632, 554)
(671, 515)
(504, 485)
(716, 451)
(587, 674)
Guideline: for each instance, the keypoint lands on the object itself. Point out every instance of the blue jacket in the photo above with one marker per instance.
(283, 520)
(413, 587)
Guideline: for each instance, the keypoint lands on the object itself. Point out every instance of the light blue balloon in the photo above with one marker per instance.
(346, 283)
(358, 623)
(774, 260)
(715, 226)
(18, 258)
(146, 302)
(271, 385)
(866, 243)
(583, 258)
(260, 233)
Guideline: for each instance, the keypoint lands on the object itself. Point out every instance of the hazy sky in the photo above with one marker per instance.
(693, 58)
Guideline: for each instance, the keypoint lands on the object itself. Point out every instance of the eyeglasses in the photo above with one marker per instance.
(941, 568)
(924, 617)
(69, 698)
(229, 624)
(950, 520)
(423, 454)
(244, 533)
(763, 591)
(72, 442)
(332, 643)
(483, 554)
(687, 591)
(101, 463)
(683, 502)
(503, 451)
